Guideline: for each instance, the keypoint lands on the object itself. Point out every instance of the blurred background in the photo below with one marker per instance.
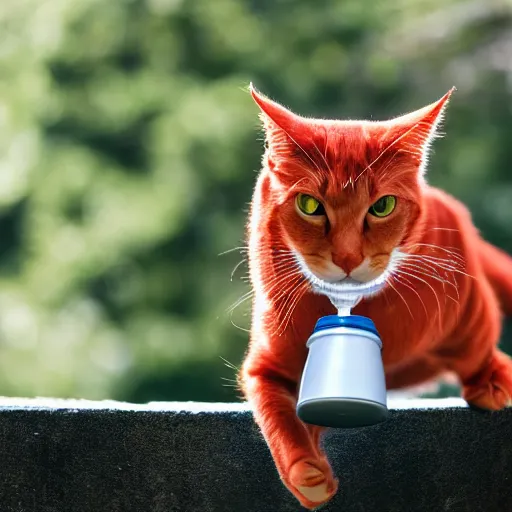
(129, 148)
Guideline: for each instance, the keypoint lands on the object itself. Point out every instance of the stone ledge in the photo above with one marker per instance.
(82, 456)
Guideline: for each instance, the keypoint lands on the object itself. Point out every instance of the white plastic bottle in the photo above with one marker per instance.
(343, 382)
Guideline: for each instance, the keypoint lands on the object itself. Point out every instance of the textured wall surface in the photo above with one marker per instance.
(74, 456)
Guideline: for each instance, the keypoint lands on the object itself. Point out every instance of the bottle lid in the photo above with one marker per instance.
(354, 321)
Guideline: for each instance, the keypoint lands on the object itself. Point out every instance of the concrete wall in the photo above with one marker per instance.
(77, 456)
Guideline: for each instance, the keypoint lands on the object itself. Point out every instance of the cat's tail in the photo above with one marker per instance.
(498, 269)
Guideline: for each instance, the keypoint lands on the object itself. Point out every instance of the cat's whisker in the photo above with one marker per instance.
(281, 280)
(277, 257)
(230, 364)
(300, 295)
(443, 282)
(439, 263)
(401, 280)
(448, 249)
(289, 306)
(437, 260)
(277, 254)
(400, 271)
(284, 291)
(282, 271)
(454, 253)
(450, 267)
(242, 249)
(281, 249)
(283, 285)
(456, 287)
(284, 260)
(415, 268)
(277, 249)
(287, 262)
(281, 303)
(286, 309)
(231, 310)
(240, 301)
(236, 267)
(283, 254)
(402, 297)
(446, 266)
(426, 265)
(444, 229)
(440, 279)
(286, 287)
(230, 383)
(322, 155)
(284, 265)
(453, 299)
(236, 326)
(452, 259)
(227, 379)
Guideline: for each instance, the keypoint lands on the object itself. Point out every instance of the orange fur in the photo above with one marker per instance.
(439, 310)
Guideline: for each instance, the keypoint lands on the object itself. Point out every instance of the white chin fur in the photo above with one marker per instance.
(349, 292)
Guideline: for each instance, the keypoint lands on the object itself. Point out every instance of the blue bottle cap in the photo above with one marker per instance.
(355, 321)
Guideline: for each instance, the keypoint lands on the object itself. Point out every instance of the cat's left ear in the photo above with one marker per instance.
(413, 133)
(284, 130)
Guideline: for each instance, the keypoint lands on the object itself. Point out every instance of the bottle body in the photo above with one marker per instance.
(343, 382)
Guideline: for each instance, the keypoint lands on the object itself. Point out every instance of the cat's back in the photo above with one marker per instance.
(449, 233)
(445, 211)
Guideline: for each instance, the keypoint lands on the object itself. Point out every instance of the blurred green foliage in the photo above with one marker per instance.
(129, 148)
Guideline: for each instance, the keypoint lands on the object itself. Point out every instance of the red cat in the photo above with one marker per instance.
(342, 207)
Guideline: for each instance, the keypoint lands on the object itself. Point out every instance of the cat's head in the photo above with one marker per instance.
(347, 194)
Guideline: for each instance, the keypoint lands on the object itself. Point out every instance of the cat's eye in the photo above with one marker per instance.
(308, 205)
(383, 207)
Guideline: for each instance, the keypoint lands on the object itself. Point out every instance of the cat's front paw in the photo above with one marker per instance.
(312, 482)
(492, 390)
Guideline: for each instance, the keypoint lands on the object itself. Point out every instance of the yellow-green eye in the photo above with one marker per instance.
(383, 207)
(309, 205)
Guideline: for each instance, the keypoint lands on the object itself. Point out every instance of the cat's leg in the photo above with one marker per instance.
(485, 372)
(295, 446)
(491, 386)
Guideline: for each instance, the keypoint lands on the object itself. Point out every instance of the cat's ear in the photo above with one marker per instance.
(413, 133)
(284, 130)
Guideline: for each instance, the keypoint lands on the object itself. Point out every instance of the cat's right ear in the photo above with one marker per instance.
(284, 130)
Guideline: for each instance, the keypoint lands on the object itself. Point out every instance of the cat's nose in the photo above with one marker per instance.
(347, 262)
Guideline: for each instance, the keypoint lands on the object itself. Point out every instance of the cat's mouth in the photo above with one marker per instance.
(345, 281)
(344, 291)
(346, 288)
